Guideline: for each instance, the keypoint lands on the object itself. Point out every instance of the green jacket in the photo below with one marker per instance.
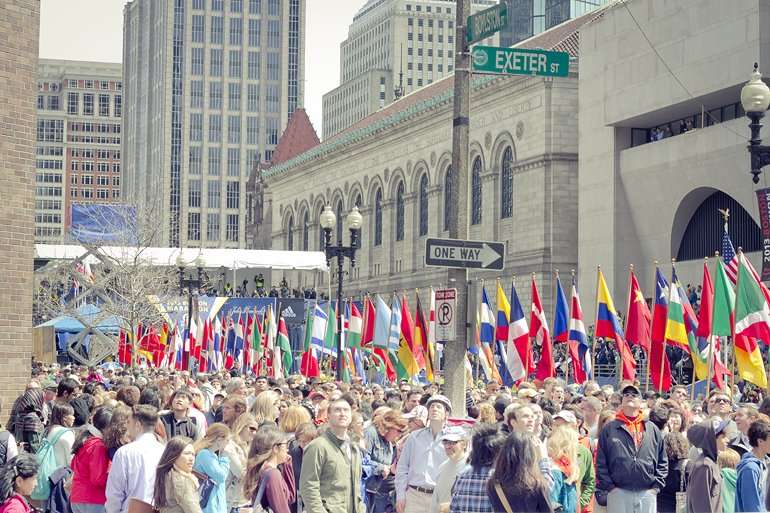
(729, 481)
(587, 484)
(329, 481)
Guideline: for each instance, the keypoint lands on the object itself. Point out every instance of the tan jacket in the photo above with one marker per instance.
(181, 493)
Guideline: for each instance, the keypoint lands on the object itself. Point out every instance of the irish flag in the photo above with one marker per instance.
(752, 321)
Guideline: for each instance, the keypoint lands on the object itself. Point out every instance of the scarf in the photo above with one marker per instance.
(564, 464)
(635, 426)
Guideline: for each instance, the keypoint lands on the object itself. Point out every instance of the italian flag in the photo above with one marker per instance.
(752, 321)
(282, 359)
(355, 326)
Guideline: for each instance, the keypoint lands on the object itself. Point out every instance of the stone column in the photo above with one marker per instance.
(19, 24)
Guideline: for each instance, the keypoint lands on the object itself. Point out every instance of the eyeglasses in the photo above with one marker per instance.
(253, 429)
(282, 444)
(449, 442)
(722, 400)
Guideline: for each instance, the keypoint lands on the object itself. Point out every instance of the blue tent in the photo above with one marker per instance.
(68, 324)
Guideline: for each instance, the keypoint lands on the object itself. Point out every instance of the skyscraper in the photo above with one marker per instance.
(209, 87)
(527, 18)
(79, 108)
(391, 44)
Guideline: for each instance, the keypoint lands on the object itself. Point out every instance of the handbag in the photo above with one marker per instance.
(503, 498)
(206, 486)
(681, 495)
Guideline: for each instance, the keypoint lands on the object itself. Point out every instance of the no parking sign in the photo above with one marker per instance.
(446, 308)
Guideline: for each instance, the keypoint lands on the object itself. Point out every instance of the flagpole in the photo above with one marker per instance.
(628, 308)
(710, 339)
(569, 320)
(652, 316)
(734, 363)
(596, 323)
(692, 357)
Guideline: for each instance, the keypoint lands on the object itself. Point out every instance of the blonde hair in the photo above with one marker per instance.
(292, 417)
(487, 413)
(240, 425)
(213, 433)
(563, 442)
(264, 408)
(728, 458)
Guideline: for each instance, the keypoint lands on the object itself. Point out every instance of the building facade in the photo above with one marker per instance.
(79, 110)
(391, 44)
(395, 166)
(663, 146)
(527, 18)
(209, 87)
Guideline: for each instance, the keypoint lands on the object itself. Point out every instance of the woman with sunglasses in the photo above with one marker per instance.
(237, 448)
(268, 481)
(381, 437)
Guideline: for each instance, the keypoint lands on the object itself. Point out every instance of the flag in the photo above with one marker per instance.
(330, 338)
(229, 344)
(700, 356)
(394, 335)
(487, 335)
(577, 340)
(660, 367)
(752, 321)
(607, 326)
(203, 358)
(560, 315)
(481, 355)
(405, 348)
(503, 315)
(239, 335)
(369, 322)
(638, 317)
(381, 324)
(676, 332)
(722, 318)
(729, 256)
(256, 344)
(690, 325)
(421, 339)
(430, 354)
(355, 328)
(178, 347)
(538, 330)
(282, 357)
(519, 353)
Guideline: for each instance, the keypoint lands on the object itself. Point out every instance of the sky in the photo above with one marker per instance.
(91, 30)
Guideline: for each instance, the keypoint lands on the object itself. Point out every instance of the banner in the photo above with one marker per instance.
(292, 310)
(763, 198)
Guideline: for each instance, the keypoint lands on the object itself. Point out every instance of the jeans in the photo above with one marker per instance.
(628, 501)
(87, 508)
(379, 503)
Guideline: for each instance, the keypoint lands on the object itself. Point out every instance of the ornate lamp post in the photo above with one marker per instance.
(192, 283)
(328, 223)
(755, 98)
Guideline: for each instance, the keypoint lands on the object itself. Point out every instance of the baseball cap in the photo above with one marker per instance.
(630, 389)
(49, 384)
(566, 416)
(527, 392)
(438, 398)
(314, 395)
(454, 434)
(419, 412)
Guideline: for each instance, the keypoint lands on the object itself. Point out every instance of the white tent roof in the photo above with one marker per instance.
(229, 258)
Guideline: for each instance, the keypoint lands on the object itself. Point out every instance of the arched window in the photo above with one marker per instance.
(339, 220)
(448, 198)
(424, 205)
(506, 184)
(358, 200)
(378, 217)
(321, 234)
(705, 229)
(400, 209)
(290, 234)
(476, 191)
(305, 231)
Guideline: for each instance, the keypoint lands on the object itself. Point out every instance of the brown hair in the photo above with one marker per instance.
(728, 458)
(676, 445)
(174, 448)
(292, 417)
(116, 435)
(259, 452)
(389, 419)
(213, 433)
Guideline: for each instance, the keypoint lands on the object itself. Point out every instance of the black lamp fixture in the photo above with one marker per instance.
(755, 98)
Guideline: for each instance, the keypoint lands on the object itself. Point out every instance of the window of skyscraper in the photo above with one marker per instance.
(254, 30)
(214, 194)
(273, 98)
(234, 130)
(274, 7)
(215, 128)
(215, 66)
(252, 100)
(217, 30)
(233, 162)
(233, 194)
(212, 227)
(88, 104)
(72, 103)
(410, 22)
(195, 160)
(272, 131)
(215, 159)
(217, 5)
(255, 6)
(420, 22)
(196, 61)
(236, 31)
(196, 127)
(252, 130)
(53, 102)
(236, 5)
(196, 94)
(254, 61)
(199, 4)
(252, 157)
(274, 34)
(232, 228)
(104, 105)
(198, 28)
(215, 95)
(273, 66)
(117, 110)
(234, 96)
(193, 226)
(194, 193)
(235, 64)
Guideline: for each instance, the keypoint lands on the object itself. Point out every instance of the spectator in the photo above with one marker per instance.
(380, 453)
(67, 390)
(455, 442)
(232, 408)
(211, 460)
(562, 448)
(27, 419)
(269, 482)
(704, 487)
(91, 465)
(18, 478)
(178, 422)
(469, 494)
(60, 433)
(631, 470)
(750, 492)
(728, 461)
(176, 488)
(587, 474)
(676, 480)
(117, 433)
(303, 435)
(132, 474)
(517, 478)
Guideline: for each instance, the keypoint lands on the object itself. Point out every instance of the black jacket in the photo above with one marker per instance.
(620, 464)
(186, 427)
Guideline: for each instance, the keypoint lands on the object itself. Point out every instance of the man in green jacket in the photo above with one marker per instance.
(330, 479)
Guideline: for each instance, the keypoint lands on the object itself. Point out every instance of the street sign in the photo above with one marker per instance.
(519, 61)
(467, 254)
(446, 306)
(487, 22)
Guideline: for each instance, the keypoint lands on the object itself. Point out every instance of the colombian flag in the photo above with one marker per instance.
(607, 326)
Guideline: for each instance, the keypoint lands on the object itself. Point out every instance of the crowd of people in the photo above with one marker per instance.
(94, 441)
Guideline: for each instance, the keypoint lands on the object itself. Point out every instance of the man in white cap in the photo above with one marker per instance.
(421, 457)
(455, 442)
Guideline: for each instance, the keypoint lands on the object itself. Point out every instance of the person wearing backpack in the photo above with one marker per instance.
(60, 433)
(18, 478)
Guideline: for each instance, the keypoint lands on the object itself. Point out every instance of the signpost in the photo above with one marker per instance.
(446, 306)
(487, 22)
(519, 61)
(465, 254)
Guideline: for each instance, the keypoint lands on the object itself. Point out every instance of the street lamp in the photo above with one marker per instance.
(755, 98)
(192, 283)
(328, 223)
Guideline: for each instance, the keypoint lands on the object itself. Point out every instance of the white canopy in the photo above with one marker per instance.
(209, 258)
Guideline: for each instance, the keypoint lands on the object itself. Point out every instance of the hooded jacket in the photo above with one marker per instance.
(704, 488)
(750, 487)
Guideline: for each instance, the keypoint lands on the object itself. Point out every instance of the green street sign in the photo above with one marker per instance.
(519, 61)
(487, 22)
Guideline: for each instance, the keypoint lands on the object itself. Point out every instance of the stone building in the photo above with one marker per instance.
(395, 163)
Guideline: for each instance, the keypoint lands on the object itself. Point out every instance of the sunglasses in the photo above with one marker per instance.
(631, 394)
(722, 400)
(253, 429)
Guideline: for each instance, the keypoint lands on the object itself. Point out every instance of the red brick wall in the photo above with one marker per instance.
(19, 27)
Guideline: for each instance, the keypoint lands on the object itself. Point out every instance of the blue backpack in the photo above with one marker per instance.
(46, 461)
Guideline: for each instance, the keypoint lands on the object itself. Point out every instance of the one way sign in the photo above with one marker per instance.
(468, 254)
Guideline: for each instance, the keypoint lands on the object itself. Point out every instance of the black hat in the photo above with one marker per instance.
(630, 389)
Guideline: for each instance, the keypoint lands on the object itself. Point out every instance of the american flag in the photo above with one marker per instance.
(729, 257)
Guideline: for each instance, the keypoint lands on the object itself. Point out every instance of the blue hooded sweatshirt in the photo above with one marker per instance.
(750, 488)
